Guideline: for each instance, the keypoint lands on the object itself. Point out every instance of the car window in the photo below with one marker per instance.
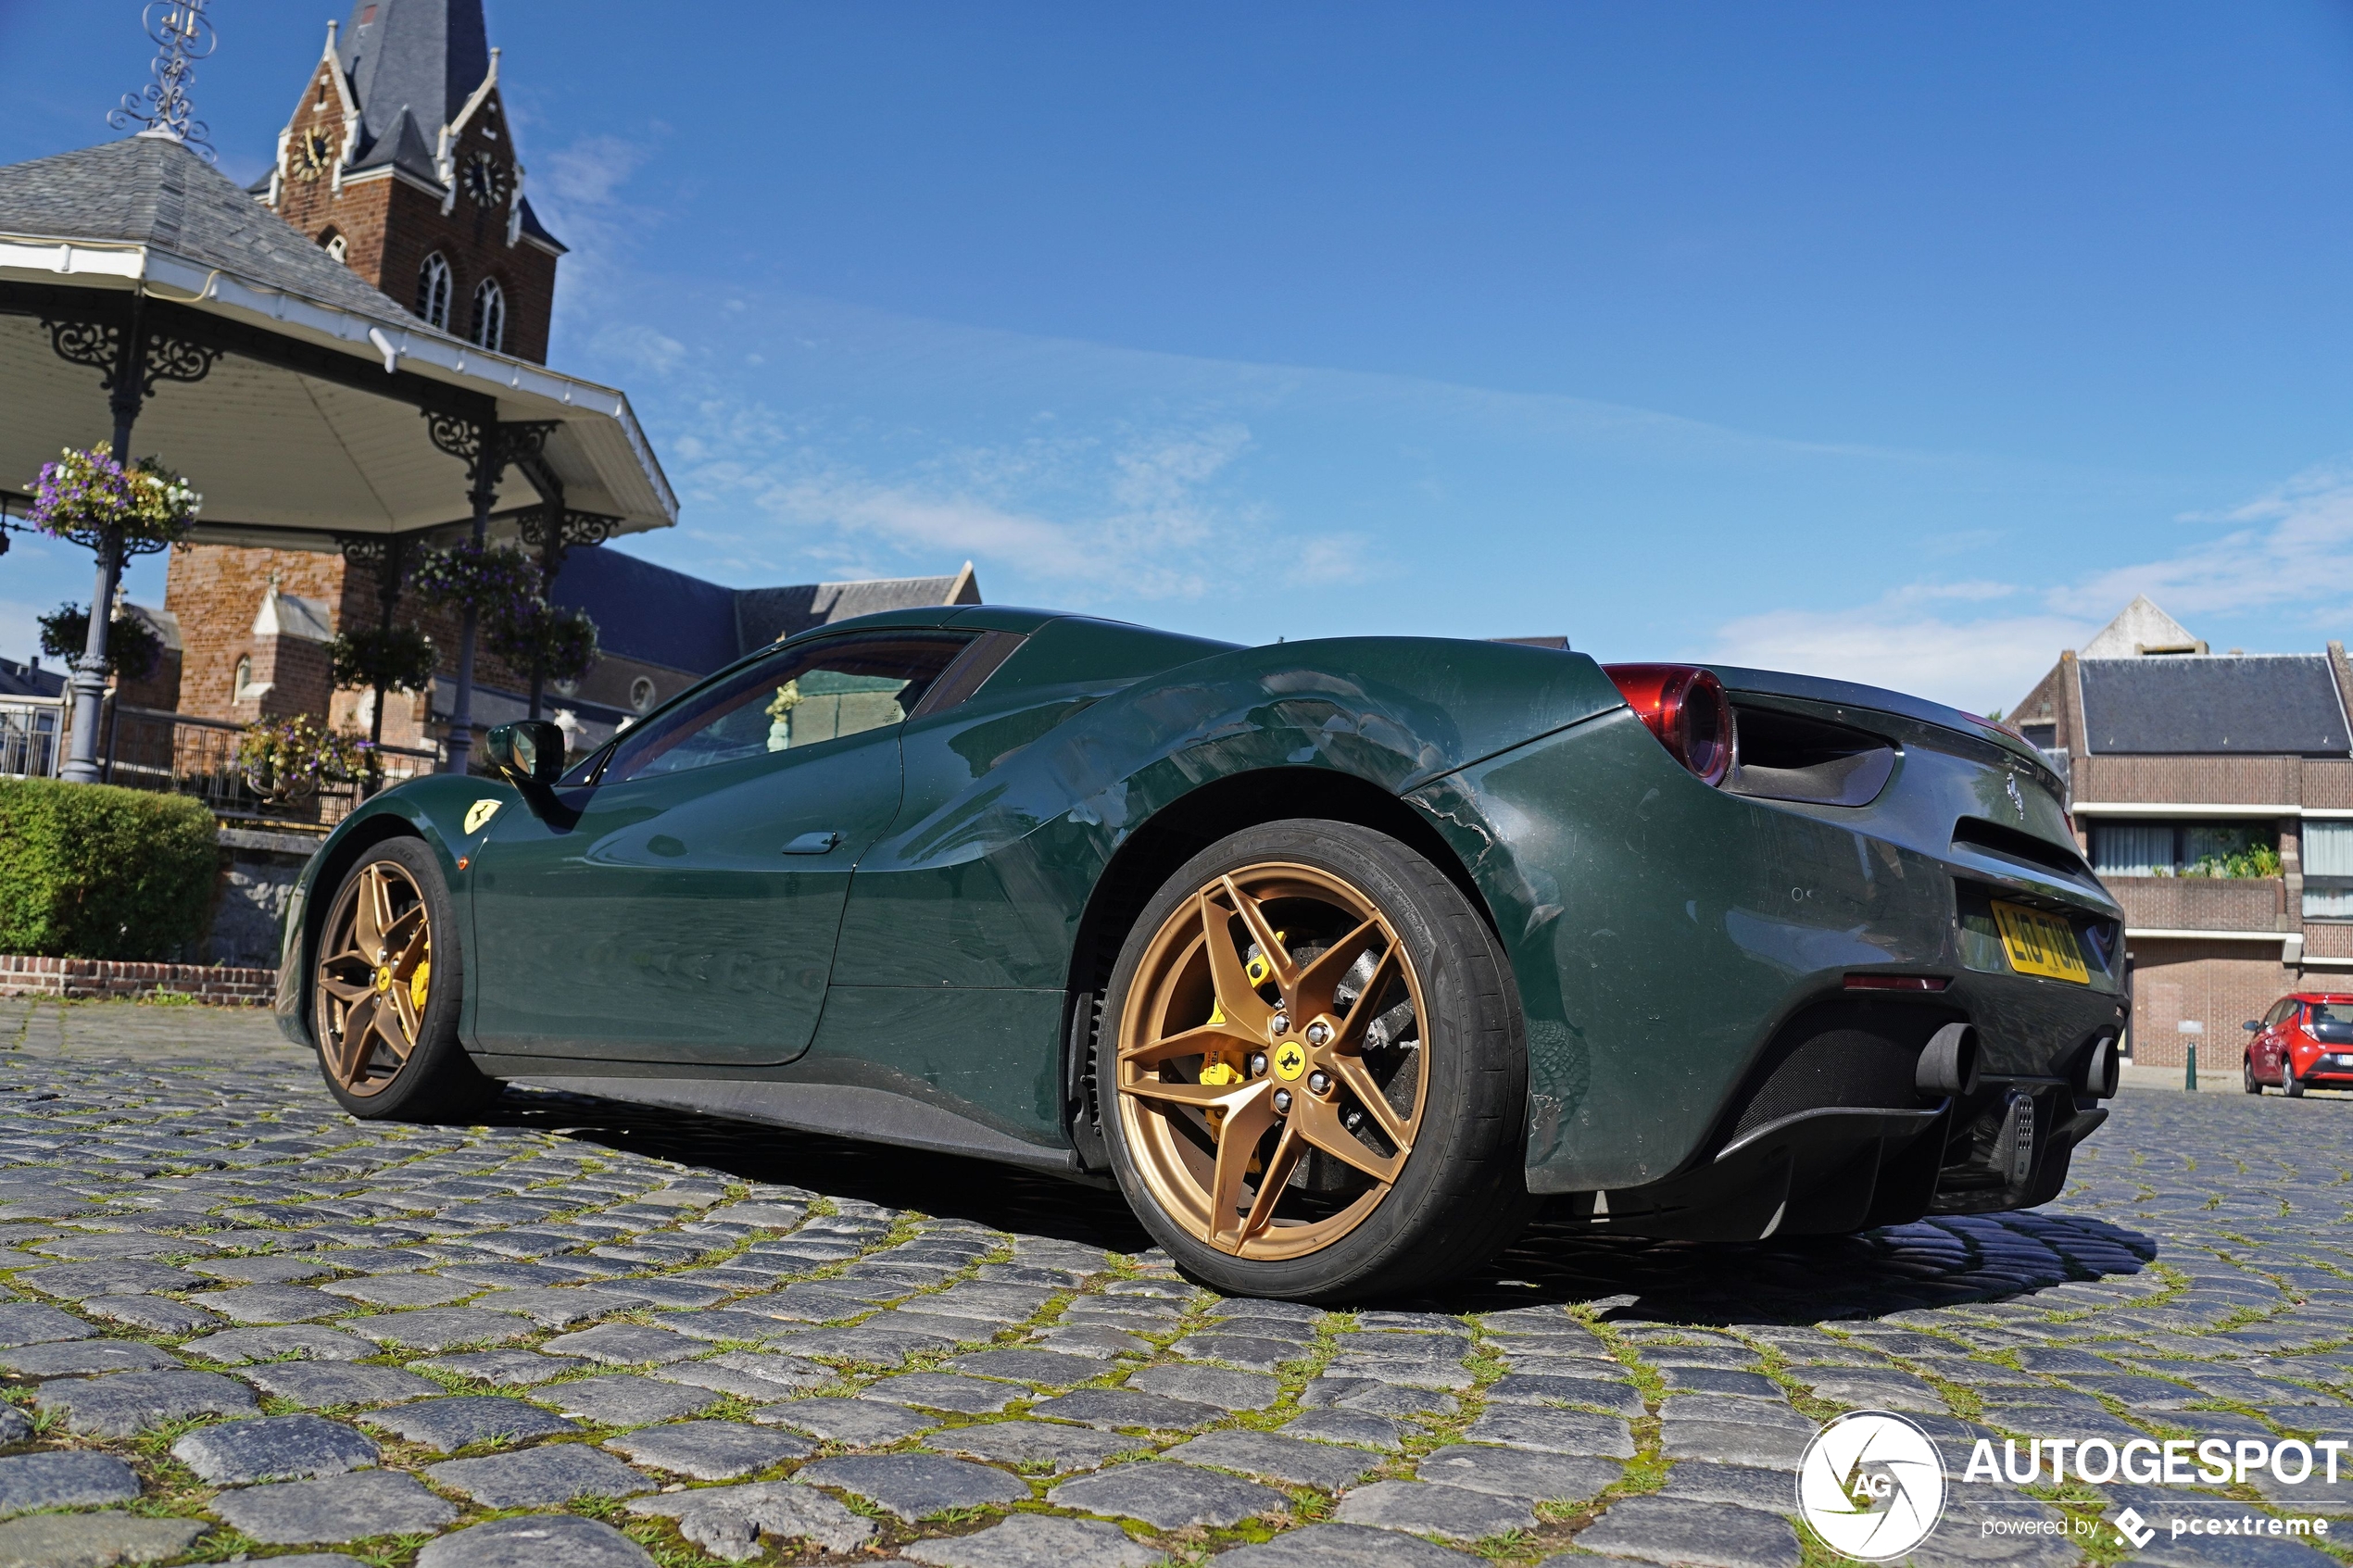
(2278, 1013)
(816, 692)
(2333, 1020)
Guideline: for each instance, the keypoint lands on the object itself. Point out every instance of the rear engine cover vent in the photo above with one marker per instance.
(1992, 838)
(1786, 756)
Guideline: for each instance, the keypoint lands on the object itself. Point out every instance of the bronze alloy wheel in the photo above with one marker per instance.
(1271, 1069)
(375, 979)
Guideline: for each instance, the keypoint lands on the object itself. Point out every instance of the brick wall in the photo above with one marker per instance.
(2220, 985)
(389, 226)
(216, 590)
(106, 980)
(2203, 903)
(2328, 939)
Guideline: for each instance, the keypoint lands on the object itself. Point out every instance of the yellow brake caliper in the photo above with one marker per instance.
(422, 980)
(1223, 1067)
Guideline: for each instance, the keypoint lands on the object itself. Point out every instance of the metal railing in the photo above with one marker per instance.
(179, 754)
(32, 736)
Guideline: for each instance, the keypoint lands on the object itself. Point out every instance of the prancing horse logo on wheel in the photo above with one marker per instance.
(1290, 1060)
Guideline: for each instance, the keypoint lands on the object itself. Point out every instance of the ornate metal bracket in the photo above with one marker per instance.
(505, 443)
(171, 358)
(461, 438)
(98, 346)
(570, 529)
(384, 557)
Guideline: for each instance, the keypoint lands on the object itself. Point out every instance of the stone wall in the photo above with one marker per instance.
(257, 874)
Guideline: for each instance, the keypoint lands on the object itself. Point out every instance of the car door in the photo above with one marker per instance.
(689, 913)
(2272, 1044)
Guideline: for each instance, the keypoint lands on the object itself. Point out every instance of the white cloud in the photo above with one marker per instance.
(591, 170)
(642, 347)
(2291, 547)
(1128, 513)
(2289, 551)
(1975, 665)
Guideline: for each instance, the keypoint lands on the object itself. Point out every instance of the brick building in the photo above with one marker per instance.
(399, 161)
(2213, 794)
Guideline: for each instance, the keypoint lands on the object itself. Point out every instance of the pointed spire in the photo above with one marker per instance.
(425, 56)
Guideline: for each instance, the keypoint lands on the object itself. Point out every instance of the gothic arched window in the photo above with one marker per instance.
(432, 292)
(490, 315)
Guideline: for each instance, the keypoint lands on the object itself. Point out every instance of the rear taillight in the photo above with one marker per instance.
(1686, 708)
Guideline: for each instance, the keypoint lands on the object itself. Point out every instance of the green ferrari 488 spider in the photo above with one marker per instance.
(1336, 956)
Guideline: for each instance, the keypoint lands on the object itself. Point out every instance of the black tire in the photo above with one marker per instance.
(2247, 1075)
(438, 1082)
(2290, 1085)
(1461, 1195)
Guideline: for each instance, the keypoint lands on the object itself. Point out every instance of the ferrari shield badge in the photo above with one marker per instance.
(481, 811)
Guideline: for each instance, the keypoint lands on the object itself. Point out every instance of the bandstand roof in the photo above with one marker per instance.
(309, 422)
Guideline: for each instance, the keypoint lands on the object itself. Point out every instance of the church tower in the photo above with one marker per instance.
(399, 160)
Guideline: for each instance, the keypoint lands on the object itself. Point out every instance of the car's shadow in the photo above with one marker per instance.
(1556, 1260)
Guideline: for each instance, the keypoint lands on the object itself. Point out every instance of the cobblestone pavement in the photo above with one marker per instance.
(239, 1323)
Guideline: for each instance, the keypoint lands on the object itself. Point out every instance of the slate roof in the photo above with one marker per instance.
(30, 680)
(2192, 703)
(770, 613)
(422, 57)
(651, 613)
(149, 190)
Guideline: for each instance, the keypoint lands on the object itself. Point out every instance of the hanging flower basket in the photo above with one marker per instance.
(538, 638)
(86, 496)
(487, 579)
(399, 660)
(285, 761)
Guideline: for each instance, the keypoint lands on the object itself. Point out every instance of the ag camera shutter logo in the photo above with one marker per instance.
(1872, 1485)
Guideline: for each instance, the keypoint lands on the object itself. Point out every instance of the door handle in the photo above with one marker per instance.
(813, 844)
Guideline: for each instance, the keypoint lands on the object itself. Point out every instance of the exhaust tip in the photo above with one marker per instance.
(2102, 1069)
(1948, 1064)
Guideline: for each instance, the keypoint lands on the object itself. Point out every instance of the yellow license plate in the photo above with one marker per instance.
(2040, 944)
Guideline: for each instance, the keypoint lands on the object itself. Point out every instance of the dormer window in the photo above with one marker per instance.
(432, 292)
(490, 315)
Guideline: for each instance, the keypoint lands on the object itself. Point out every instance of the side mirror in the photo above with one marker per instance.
(531, 753)
(530, 756)
(2252, 1027)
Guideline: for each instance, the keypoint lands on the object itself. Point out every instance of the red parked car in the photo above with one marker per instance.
(2305, 1040)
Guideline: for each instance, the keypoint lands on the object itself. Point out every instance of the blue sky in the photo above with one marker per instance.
(1898, 343)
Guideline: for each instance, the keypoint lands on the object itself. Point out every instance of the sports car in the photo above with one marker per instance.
(1336, 956)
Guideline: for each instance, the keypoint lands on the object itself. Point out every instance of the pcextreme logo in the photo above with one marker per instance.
(1872, 1485)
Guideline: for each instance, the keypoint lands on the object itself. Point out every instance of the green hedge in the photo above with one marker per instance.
(92, 872)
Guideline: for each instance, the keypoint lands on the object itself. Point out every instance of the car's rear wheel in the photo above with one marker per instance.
(1312, 1069)
(385, 993)
(2290, 1085)
(2247, 1075)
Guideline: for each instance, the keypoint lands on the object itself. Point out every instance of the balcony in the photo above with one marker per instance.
(2200, 903)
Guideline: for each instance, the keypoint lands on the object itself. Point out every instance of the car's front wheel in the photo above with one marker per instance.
(2247, 1075)
(1310, 1070)
(384, 993)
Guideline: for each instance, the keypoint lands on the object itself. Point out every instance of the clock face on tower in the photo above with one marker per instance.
(484, 179)
(311, 154)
